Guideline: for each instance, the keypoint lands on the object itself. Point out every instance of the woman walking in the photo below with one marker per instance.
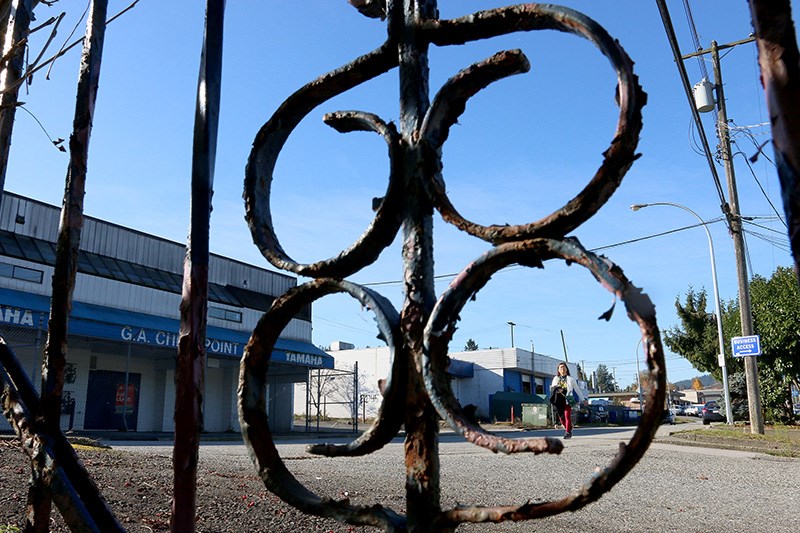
(562, 398)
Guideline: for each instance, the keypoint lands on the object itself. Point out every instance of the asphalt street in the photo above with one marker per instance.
(673, 488)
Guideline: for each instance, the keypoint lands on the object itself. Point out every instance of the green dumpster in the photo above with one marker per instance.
(535, 414)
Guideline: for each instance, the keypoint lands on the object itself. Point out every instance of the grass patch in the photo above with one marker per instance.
(777, 440)
(787, 434)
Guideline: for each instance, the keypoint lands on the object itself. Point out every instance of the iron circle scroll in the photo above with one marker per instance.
(269, 142)
(442, 325)
(252, 404)
(448, 105)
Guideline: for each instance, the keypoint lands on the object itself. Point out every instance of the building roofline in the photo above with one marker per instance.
(150, 235)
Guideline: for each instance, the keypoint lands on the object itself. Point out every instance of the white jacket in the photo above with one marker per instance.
(572, 385)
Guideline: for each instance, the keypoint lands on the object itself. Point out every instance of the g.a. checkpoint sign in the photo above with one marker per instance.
(746, 346)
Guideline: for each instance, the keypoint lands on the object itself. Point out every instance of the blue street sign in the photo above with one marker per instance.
(746, 346)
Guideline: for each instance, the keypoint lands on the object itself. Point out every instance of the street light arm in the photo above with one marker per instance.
(717, 307)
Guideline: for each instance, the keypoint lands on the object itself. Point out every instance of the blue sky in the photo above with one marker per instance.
(523, 147)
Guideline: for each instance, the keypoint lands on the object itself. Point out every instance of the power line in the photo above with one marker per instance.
(781, 244)
(673, 41)
(695, 38)
(765, 228)
(761, 187)
(647, 237)
(596, 249)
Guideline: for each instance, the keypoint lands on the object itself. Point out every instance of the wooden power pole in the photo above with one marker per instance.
(735, 223)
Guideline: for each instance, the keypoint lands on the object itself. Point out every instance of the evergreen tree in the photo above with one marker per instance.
(471, 346)
(605, 380)
(775, 305)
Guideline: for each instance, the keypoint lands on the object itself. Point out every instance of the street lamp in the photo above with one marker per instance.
(512, 332)
(721, 357)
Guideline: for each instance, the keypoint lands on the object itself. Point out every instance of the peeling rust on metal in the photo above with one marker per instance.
(419, 338)
(255, 423)
(56, 469)
(417, 392)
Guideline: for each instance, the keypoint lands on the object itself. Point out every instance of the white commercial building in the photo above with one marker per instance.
(479, 377)
(123, 328)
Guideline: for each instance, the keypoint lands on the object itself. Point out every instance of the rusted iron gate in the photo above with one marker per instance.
(332, 387)
(418, 390)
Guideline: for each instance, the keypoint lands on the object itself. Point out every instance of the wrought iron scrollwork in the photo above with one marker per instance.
(418, 389)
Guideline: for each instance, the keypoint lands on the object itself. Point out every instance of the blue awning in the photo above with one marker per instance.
(461, 369)
(31, 310)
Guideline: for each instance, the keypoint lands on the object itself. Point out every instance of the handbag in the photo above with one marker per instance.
(573, 400)
(558, 397)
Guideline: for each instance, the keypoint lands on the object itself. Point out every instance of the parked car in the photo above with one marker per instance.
(694, 410)
(711, 413)
(669, 417)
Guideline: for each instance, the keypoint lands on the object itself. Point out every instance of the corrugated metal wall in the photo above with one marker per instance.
(38, 220)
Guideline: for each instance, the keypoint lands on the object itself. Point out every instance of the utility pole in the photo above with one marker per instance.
(730, 209)
(735, 222)
(512, 332)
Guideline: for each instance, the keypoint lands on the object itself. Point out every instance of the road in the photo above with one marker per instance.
(674, 488)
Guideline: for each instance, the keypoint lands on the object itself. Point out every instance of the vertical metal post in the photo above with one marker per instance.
(735, 220)
(17, 30)
(533, 368)
(422, 428)
(68, 244)
(354, 407)
(191, 361)
(780, 75)
(37, 354)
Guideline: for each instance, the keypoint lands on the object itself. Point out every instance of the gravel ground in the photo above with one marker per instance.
(674, 488)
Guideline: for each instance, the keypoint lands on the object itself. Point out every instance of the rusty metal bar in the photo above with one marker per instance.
(620, 154)
(57, 474)
(422, 427)
(68, 243)
(416, 187)
(441, 327)
(16, 29)
(267, 146)
(779, 60)
(255, 423)
(190, 371)
(72, 489)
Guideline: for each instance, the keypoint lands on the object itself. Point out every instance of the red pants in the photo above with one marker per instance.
(566, 418)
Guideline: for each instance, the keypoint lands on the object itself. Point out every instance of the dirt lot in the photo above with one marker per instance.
(233, 500)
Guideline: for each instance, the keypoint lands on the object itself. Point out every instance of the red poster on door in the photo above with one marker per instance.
(124, 402)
